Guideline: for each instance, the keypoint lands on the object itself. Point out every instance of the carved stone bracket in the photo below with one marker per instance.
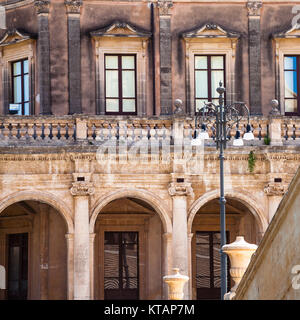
(73, 6)
(164, 7)
(180, 189)
(42, 6)
(254, 8)
(274, 189)
(82, 188)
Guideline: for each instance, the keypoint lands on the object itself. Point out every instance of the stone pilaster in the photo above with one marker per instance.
(43, 55)
(254, 8)
(70, 264)
(179, 189)
(275, 191)
(81, 189)
(92, 241)
(166, 260)
(73, 11)
(165, 45)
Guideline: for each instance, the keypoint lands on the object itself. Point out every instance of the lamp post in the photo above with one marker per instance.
(224, 118)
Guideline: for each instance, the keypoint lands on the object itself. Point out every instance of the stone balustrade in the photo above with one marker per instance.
(68, 130)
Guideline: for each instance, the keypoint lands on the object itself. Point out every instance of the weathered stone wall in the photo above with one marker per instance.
(270, 274)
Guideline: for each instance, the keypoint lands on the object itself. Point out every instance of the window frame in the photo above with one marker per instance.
(298, 84)
(209, 71)
(121, 98)
(22, 75)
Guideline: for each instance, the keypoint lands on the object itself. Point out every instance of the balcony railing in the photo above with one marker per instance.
(96, 130)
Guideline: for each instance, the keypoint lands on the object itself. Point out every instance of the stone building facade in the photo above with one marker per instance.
(101, 192)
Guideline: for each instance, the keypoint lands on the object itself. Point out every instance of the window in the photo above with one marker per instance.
(20, 86)
(209, 71)
(121, 266)
(208, 265)
(120, 84)
(291, 85)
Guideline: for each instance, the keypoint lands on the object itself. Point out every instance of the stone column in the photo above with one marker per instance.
(44, 250)
(166, 260)
(165, 46)
(43, 55)
(254, 56)
(70, 265)
(3, 262)
(81, 190)
(74, 58)
(179, 189)
(92, 241)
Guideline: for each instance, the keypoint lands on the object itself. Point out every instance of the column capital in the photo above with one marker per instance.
(73, 6)
(274, 189)
(42, 6)
(82, 188)
(164, 7)
(180, 189)
(254, 8)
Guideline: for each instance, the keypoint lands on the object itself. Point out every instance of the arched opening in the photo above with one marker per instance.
(205, 245)
(128, 251)
(33, 251)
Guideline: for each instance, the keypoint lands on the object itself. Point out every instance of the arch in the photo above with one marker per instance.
(140, 194)
(251, 204)
(43, 197)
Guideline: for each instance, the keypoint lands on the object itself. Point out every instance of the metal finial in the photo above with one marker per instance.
(221, 89)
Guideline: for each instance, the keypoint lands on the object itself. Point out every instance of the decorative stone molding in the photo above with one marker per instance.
(73, 6)
(180, 189)
(82, 185)
(254, 8)
(274, 189)
(164, 7)
(42, 6)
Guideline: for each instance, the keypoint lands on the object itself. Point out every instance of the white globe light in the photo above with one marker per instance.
(248, 136)
(238, 142)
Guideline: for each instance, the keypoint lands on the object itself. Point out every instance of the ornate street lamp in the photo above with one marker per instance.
(224, 117)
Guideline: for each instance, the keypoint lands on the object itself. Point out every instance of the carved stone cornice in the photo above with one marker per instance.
(180, 189)
(42, 6)
(73, 6)
(82, 188)
(164, 7)
(274, 189)
(254, 8)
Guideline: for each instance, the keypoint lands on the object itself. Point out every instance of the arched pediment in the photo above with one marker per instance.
(121, 29)
(210, 30)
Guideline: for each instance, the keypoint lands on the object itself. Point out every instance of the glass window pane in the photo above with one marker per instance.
(26, 107)
(216, 77)
(112, 105)
(128, 62)
(17, 68)
(200, 62)
(128, 84)
(201, 84)
(290, 84)
(290, 105)
(25, 66)
(111, 62)
(26, 87)
(217, 62)
(128, 105)
(112, 84)
(290, 63)
(17, 89)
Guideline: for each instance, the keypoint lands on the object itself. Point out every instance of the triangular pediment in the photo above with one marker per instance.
(289, 32)
(210, 30)
(121, 29)
(14, 36)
